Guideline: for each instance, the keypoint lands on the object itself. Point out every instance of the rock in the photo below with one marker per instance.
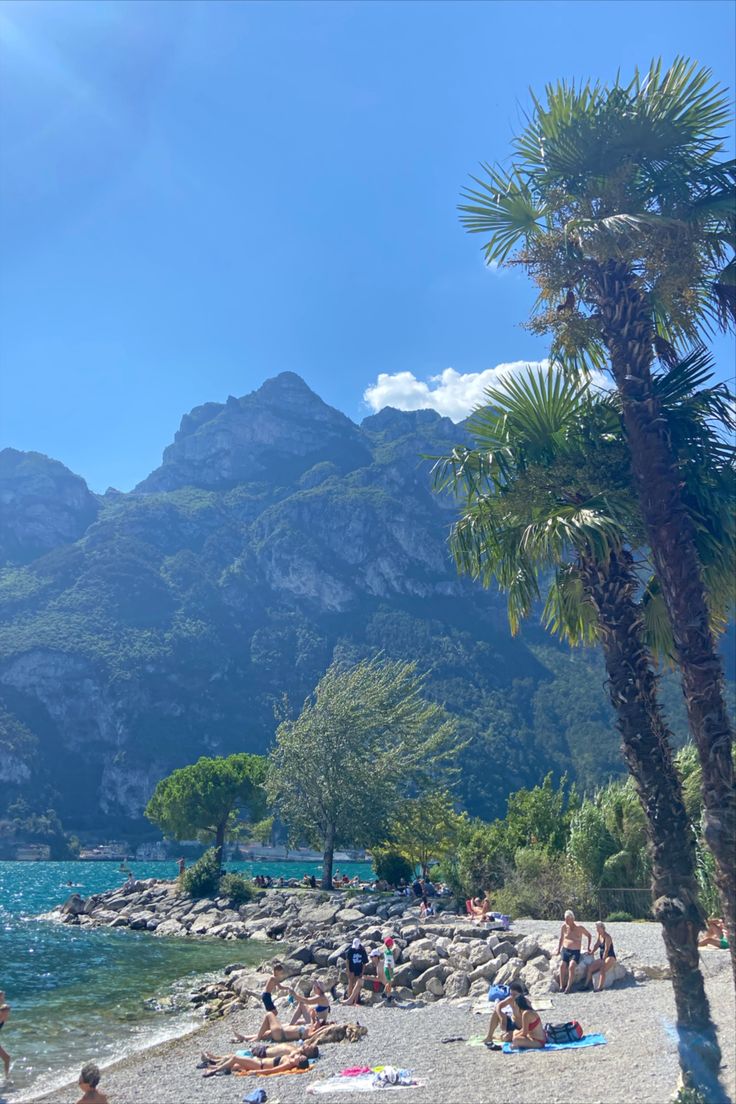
(527, 948)
(420, 983)
(405, 974)
(656, 972)
(367, 907)
(349, 916)
(479, 954)
(457, 985)
(435, 987)
(73, 906)
(302, 954)
(321, 955)
(140, 920)
(315, 915)
(204, 921)
(292, 967)
(509, 972)
(505, 947)
(486, 972)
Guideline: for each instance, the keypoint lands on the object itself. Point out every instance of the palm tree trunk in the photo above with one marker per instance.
(611, 588)
(627, 330)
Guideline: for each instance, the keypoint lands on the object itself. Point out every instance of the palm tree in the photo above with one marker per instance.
(619, 207)
(547, 492)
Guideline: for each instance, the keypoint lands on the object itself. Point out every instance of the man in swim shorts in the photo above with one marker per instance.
(570, 947)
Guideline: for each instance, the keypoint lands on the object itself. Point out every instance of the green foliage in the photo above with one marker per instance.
(425, 829)
(620, 917)
(608, 839)
(204, 798)
(391, 866)
(543, 885)
(342, 769)
(202, 879)
(237, 888)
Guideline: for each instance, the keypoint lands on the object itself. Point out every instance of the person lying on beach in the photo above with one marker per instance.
(280, 1064)
(272, 1029)
(265, 1050)
(570, 945)
(715, 934)
(531, 1034)
(606, 959)
(89, 1079)
(4, 1017)
(312, 1009)
(275, 982)
(506, 1015)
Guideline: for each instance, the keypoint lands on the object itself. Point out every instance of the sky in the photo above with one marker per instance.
(197, 196)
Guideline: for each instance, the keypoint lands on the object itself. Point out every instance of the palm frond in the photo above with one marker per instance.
(503, 207)
(566, 613)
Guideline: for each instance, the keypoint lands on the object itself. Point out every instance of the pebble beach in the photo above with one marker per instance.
(638, 1064)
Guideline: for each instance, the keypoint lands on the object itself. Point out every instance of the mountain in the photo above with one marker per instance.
(141, 630)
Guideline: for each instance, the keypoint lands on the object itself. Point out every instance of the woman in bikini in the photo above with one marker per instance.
(313, 1009)
(273, 1030)
(263, 1050)
(531, 1034)
(605, 960)
(279, 1064)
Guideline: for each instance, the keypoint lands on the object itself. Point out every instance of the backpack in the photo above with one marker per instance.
(568, 1032)
(498, 992)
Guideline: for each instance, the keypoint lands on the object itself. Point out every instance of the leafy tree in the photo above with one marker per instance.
(425, 829)
(620, 206)
(539, 817)
(205, 798)
(391, 866)
(548, 489)
(362, 742)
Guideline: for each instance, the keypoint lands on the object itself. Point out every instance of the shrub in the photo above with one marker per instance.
(237, 888)
(391, 867)
(619, 916)
(202, 879)
(543, 886)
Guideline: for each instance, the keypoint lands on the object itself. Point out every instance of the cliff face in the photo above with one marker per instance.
(141, 630)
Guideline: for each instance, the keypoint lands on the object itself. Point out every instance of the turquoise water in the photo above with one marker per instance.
(78, 995)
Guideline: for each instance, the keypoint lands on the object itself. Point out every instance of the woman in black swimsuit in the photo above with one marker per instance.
(604, 962)
(259, 1065)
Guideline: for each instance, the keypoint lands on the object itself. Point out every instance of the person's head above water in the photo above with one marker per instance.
(90, 1075)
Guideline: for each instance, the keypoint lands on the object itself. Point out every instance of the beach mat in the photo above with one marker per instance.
(362, 1084)
(270, 1073)
(578, 1044)
(475, 1040)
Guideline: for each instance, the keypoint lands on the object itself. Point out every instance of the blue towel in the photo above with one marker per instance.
(586, 1041)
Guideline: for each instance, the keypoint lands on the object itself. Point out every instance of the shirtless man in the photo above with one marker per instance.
(569, 946)
(89, 1079)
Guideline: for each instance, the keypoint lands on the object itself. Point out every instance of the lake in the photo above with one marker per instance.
(79, 995)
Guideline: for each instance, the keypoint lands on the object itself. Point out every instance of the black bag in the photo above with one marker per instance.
(568, 1032)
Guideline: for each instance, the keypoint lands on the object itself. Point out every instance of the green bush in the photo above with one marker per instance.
(202, 879)
(237, 888)
(391, 867)
(619, 916)
(543, 886)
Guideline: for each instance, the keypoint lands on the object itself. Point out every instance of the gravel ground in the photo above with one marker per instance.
(639, 1064)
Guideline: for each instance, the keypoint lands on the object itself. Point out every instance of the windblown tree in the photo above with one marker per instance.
(425, 829)
(620, 205)
(365, 741)
(207, 799)
(547, 492)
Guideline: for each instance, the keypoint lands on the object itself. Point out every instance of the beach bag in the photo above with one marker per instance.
(498, 992)
(568, 1032)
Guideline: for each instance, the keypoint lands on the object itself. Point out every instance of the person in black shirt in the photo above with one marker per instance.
(357, 959)
(418, 887)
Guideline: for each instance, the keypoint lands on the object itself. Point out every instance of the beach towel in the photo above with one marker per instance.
(475, 1040)
(586, 1041)
(271, 1073)
(379, 1079)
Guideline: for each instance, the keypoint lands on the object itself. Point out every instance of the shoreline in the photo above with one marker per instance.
(641, 1050)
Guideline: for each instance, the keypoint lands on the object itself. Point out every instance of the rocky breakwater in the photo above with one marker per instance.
(445, 958)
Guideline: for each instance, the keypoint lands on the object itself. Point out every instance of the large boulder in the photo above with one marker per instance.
(479, 953)
(315, 915)
(73, 906)
(527, 948)
(435, 987)
(486, 972)
(422, 955)
(405, 974)
(419, 984)
(349, 916)
(457, 985)
(509, 972)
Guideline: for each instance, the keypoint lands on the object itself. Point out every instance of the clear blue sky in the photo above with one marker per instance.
(196, 196)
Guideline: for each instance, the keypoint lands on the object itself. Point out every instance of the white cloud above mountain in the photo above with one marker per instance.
(451, 393)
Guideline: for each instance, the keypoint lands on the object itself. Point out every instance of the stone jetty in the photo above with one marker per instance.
(442, 958)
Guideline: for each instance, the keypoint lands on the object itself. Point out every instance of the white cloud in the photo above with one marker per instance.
(453, 394)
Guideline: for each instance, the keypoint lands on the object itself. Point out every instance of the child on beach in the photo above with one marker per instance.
(389, 966)
(89, 1079)
(4, 1015)
(313, 1009)
(275, 982)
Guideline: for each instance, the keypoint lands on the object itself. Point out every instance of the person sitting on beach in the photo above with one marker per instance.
(479, 910)
(531, 1034)
(506, 1015)
(89, 1079)
(605, 960)
(4, 1017)
(425, 909)
(312, 1009)
(570, 945)
(715, 934)
(356, 960)
(275, 982)
(243, 1064)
